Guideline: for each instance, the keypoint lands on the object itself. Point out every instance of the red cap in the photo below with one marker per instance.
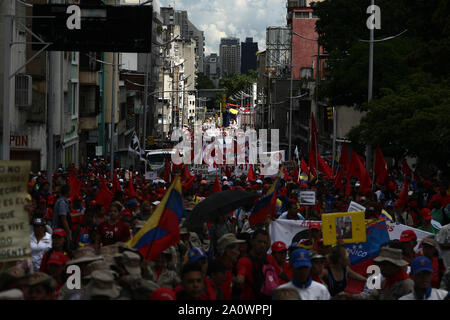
(426, 214)
(59, 232)
(163, 294)
(407, 236)
(315, 225)
(58, 258)
(278, 246)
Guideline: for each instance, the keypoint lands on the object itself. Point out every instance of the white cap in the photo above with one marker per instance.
(259, 181)
(224, 178)
(155, 203)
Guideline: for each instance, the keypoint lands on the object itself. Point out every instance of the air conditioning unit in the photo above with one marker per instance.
(24, 88)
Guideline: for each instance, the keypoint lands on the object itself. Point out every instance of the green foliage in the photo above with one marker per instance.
(413, 120)
(237, 82)
(203, 82)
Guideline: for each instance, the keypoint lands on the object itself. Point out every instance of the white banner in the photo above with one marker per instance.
(307, 198)
(354, 206)
(286, 230)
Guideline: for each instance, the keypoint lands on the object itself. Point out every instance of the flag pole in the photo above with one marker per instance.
(373, 169)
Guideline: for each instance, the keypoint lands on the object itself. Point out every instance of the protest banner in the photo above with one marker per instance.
(151, 175)
(354, 206)
(14, 220)
(348, 226)
(307, 198)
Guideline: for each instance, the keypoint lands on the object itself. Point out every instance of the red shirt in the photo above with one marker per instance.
(44, 263)
(435, 283)
(227, 285)
(110, 234)
(245, 268)
(286, 268)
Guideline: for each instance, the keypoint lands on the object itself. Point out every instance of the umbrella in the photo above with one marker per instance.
(216, 204)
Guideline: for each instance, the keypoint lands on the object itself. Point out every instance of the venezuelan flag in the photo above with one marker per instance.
(386, 216)
(267, 204)
(304, 180)
(161, 230)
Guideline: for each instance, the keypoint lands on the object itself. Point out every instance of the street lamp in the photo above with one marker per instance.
(370, 82)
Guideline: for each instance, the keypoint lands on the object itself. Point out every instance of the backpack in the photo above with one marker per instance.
(265, 280)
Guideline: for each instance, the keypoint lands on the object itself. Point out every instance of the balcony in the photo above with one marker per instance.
(88, 78)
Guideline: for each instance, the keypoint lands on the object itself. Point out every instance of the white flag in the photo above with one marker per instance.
(296, 152)
(135, 147)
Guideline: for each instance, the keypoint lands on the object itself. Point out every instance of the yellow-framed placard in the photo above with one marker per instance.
(348, 226)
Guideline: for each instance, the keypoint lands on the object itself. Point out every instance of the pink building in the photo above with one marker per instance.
(303, 22)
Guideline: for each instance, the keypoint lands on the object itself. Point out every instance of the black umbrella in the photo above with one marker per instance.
(217, 204)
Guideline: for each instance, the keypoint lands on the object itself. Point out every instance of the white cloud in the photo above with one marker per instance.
(239, 18)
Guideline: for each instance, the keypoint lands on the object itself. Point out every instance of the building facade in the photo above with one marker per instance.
(230, 56)
(249, 50)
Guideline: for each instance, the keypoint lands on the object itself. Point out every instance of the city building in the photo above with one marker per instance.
(248, 55)
(212, 68)
(230, 56)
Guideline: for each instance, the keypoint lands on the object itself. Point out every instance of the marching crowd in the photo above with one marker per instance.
(226, 259)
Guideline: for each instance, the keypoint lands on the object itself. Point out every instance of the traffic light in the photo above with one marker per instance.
(330, 113)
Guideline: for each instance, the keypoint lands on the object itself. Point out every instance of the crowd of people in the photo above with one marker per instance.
(226, 259)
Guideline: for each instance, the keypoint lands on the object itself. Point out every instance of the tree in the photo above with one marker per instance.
(237, 82)
(412, 120)
(203, 82)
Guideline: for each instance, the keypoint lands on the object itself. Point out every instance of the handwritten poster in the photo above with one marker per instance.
(14, 221)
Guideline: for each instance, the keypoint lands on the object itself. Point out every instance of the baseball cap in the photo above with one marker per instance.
(58, 258)
(426, 214)
(420, 264)
(227, 240)
(429, 241)
(59, 232)
(195, 254)
(132, 203)
(278, 246)
(38, 222)
(408, 235)
(314, 255)
(300, 258)
(163, 294)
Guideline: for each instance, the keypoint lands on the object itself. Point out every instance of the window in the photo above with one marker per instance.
(306, 73)
(74, 57)
(74, 99)
(302, 15)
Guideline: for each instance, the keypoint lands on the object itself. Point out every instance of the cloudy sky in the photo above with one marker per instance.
(238, 18)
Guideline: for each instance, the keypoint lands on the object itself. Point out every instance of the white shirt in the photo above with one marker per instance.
(316, 291)
(39, 248)
(436, 294)
(443, 237)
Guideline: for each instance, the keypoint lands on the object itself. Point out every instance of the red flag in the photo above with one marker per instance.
(187, 174)
(358, 171)
(304, 166)
(116, 184)
(251, 177)
(381, 170)
(343, 168)
(405, 168)
(217, 187)
(166, 175)
(75, 185)
(286, 174)
(131, 191)
(312, 161)
(324, 167)
(188, 185)
(403, 197)
(104, 196)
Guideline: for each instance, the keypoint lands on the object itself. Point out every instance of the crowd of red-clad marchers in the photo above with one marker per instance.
(88, 218)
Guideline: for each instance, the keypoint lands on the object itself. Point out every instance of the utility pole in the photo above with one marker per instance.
(113, 100)
(8, 27)
(370, 89)
(290, 102)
